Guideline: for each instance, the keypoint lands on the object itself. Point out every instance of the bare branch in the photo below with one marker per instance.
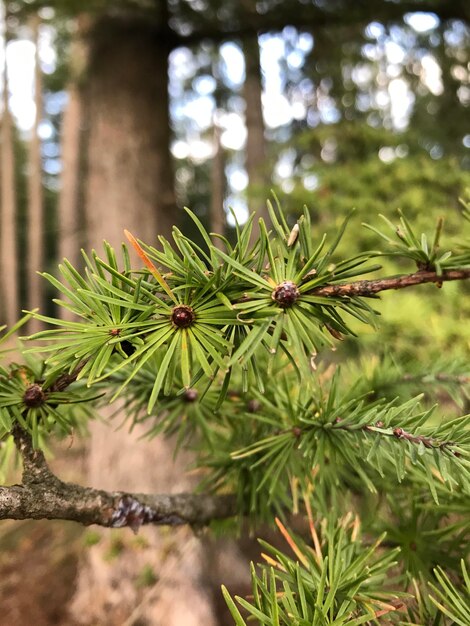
(44, 496)
(369, 288)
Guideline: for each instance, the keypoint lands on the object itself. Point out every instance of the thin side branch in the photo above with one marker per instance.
(44, 496)
(66, 379)
(369, 288)
(458, 379)
(379, 429)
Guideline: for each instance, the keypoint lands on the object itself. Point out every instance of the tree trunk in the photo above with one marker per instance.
(8, 236)
(35, 194)
(217, 213)
(156, 578)
(130, 183)
(255, 142)
(74, 142)
(70, 210)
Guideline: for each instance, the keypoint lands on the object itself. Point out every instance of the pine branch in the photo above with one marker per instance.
(342, 433)
(368, 288)
(42, 495)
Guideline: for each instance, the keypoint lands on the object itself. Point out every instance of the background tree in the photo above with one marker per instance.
(8, 189)
(36, 242)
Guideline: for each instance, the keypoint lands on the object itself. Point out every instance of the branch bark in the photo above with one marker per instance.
(42, 495)
(369, 288)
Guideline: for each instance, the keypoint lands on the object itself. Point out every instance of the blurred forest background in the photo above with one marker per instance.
(117, 114)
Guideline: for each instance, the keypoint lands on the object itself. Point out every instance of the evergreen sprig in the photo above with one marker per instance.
(38, 406)
(204, 310)
(327, 437)
(334, 581)
(423, 250)
(451, 601)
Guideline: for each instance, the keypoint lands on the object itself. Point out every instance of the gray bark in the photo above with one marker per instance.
(42, 495)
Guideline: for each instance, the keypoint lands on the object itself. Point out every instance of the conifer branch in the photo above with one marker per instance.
(368, 288)
(42, 495)
(379, 429)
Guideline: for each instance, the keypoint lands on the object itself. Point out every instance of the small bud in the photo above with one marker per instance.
(182, 316)
(294, 233)
(286, 294)
(190, 395)
(34, 396)
(253, 406)
(400, 233)
(398, 432)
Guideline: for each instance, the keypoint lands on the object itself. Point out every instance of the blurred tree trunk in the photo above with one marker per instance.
(217, 212)
(157, 578)
(70, 209)
(35, 193)
(130, 177)
(74, 136)
(255, 142)
(8, 236)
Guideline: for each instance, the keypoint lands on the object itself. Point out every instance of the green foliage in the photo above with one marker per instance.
(195, 331)
(230, 350)
(451, 607)
(376, 171)
(336, 581)
(299, 433)
(426, 255)
(442, 377)
(425, 326)
(451, 601)
(227, 299)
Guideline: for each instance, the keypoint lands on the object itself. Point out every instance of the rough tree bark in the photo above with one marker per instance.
(8, 245)
(130, 185)
(35, 193)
